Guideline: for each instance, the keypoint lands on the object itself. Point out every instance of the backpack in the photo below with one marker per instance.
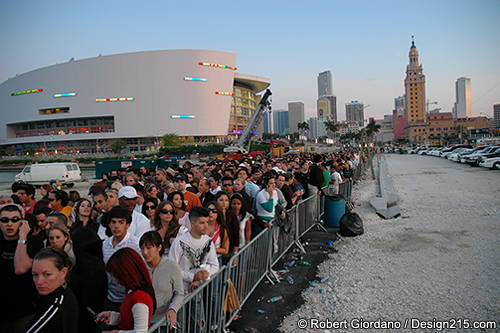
(351, 225)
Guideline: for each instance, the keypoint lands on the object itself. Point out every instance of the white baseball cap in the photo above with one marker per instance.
(128, 192)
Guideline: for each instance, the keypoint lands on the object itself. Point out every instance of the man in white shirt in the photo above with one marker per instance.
(335, 178)
(194, 251)
(140, 223)
(119, 224)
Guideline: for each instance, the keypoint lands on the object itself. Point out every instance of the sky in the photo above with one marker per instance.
(364, 44)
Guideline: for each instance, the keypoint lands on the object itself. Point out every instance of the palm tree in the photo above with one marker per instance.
(303, 127)
(360, 136)
(372, 128)
(332, 127)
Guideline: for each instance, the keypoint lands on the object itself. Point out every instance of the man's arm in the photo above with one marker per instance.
(22, 261)
(178, 287)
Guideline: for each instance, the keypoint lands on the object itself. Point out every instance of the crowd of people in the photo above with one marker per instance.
(144, 239)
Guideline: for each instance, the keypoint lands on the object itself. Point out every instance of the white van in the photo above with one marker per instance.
(38, 174)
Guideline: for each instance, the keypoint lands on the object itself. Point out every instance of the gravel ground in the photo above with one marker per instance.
(440, 259)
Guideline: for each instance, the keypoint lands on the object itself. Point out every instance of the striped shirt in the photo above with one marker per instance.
(116, 292)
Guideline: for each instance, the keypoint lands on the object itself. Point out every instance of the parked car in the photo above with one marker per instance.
(473, 151)
(423, 151)
(473, 159)
(490, 162)
(413, 150)
(65, 173)
(448, 150)
(434, 151)
(455, 155)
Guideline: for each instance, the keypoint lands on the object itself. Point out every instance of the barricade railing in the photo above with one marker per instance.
(284, 234)
(307, 215)
(203, 310)
(247, 268)
(345, 190)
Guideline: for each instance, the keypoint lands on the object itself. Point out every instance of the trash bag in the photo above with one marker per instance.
(351, 225)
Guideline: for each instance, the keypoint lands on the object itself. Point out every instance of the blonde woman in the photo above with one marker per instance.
(59, 238)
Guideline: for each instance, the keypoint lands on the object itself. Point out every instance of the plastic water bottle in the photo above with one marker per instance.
(275, 299)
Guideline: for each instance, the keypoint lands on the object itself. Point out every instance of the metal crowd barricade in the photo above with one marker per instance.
(345, 189)
(284, 235)
(308, 215)
(247, 268)
(321, 199)
(203, 309)
(349, 191)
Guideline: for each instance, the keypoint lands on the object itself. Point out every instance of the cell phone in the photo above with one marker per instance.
(93, 313)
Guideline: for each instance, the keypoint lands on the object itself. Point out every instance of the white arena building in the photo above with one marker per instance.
(82, 104)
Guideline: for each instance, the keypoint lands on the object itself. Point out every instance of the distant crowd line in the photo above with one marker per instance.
(127, 256)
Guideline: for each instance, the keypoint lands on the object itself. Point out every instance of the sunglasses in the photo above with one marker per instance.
(7, 220)
(150, 207)
(212, 210)
(166, 211)
(51, 199)
(227, 185)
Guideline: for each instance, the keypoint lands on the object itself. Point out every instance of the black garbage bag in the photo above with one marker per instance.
(351, 225)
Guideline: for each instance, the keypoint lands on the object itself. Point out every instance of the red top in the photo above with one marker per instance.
(126, 316)
(192, 200)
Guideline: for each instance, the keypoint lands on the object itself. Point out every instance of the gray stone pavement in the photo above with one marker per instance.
(440, 259)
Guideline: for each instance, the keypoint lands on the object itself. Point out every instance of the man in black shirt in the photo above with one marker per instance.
(316, 174)
(17, 250)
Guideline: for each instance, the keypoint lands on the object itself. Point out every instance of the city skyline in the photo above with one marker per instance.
(454, 38)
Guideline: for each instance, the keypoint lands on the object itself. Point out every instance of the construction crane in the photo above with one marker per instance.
(427, 106)
(242, 144)
(436, 110)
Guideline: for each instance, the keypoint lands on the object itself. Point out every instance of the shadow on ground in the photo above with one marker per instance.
(317, 251)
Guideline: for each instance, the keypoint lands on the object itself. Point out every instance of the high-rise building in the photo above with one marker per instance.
(321, 129)
(400, 103)
(280, 121)
(386, 132)
(327, 108)
(398, 117)
(267, 121)
(348, 127)
(325, 84)
(312, 133)
(496, 115)
(327, 102)
(295, 115)
(463, 105)
(415, 98)
(355, 112)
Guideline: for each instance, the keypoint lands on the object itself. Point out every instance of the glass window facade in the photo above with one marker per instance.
(64, 127)
(54, 110)
(242, 107)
